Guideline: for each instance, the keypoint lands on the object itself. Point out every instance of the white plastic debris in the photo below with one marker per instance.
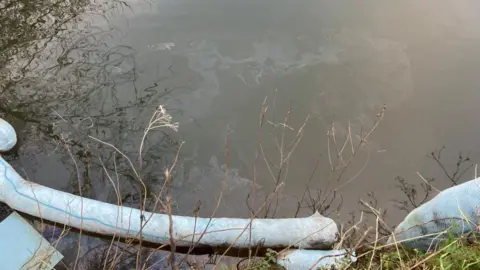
(315, 231)
(162, 46)
(22, 247)
(314, 259)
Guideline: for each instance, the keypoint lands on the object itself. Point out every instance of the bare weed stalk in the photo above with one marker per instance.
(81, 201)
(159, 119)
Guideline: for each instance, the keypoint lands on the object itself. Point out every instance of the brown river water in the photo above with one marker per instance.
(213, 63)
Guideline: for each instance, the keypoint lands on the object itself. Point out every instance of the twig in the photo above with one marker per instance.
(81, 202)
(428, 183)
(375, 243)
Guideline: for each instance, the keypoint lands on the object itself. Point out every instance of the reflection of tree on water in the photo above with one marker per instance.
(63, 77)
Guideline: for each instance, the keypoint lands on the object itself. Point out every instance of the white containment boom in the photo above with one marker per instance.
(454, 211)
(94, 216)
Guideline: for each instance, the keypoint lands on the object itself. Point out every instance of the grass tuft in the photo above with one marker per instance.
(453, 254)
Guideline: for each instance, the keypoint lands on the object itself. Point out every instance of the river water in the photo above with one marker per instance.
(213, 63)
